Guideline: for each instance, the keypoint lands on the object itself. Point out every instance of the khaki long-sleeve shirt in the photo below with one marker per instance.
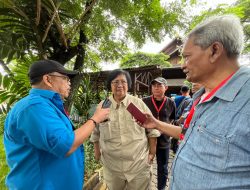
(123, 143)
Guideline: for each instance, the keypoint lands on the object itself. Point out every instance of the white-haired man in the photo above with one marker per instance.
(215, 152)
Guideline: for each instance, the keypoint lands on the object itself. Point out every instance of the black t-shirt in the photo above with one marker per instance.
(166, 114)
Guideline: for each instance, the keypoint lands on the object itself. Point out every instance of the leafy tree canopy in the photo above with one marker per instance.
(59, 29)
(241, 8)
(80, 33)
(143, 59)
(244, 5)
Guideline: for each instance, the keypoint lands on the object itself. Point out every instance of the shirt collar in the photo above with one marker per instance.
(124, 102)
(230, 90)
(198, 93)
(45, 93)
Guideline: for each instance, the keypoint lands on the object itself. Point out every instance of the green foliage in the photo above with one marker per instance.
(140, 59)
(10, 92)
(3, 165)
(13, 87)
(244, 5)
(219, 10)
(241, 8)
(86, 98)
(84, 106)
(189, 84)
(2, 119)
(50, 26)
(139, 20)
(91, 165)
(82, 32)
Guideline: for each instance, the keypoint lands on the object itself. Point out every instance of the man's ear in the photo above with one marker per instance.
(47, 81)
(166, 87)
(216, 49)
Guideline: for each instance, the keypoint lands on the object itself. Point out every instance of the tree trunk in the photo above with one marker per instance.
(76, 81)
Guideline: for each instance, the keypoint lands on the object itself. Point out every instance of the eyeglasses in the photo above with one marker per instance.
(62, 76)
(117, 82)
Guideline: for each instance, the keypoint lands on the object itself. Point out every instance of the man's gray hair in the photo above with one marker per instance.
(225, 29)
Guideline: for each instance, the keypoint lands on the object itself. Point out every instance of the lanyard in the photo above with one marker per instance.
(156, 108)
(191, 113)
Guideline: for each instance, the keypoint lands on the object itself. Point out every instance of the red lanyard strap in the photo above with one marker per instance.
(191, 113)
(156, 107)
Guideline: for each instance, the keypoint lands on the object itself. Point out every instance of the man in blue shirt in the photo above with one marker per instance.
(215, 152)
(185, 101)
(42, 150)
(182, 108)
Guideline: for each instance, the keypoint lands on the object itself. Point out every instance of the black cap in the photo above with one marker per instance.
(42, 67)
(160, 80)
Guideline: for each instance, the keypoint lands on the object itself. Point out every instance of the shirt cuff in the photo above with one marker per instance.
(153, 133)
(61, 144)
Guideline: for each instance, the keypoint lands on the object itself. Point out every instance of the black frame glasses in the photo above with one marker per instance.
(61, 76)
(117, 82)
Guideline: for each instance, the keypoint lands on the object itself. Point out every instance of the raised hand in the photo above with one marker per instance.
(101, 114)
(150, 123)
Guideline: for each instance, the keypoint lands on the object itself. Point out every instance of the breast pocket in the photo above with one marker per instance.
(109, 131)
(133, 130)
(210, 148)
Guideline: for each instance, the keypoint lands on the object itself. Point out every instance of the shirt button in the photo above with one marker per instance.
(217, 140)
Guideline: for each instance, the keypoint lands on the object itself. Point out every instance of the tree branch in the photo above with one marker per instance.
(78, 66)
(59, 25)
(38, 12)
(81, 19)
(48, 27)
(41, 52)
(51, 21)
(81, 51)
(63, 56)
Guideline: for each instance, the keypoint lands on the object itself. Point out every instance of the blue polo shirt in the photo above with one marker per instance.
(37, 136)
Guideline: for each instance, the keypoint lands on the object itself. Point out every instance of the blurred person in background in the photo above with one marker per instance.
(184, 102)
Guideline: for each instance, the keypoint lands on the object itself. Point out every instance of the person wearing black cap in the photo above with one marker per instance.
(163, 108)
(42, 150)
